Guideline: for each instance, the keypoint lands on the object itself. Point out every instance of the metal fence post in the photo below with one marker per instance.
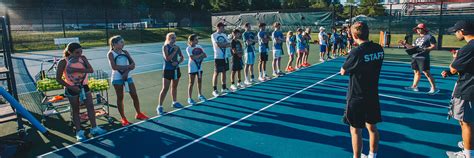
(64, 25)
(440, 26)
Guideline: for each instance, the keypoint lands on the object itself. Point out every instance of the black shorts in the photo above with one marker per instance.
(360, 111)
(195, 73)
(263, 56)
(237, 64)
(221, 65)
(169, 74)
(69, 92)
(420, 63)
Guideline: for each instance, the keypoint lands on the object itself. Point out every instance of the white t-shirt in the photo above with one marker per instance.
(322, 38)
(220, 53)
(192, 67)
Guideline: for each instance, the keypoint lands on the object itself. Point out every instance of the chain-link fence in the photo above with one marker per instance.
(36, 28)
(437, 16)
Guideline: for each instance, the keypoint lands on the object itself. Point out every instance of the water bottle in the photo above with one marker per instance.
(127, 89)
(98, 98)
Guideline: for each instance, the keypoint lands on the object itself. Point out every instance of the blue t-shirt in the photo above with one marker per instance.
(290, 43)
(263, 47)
(300, 42)
(249, 36)
(335, 38)
(277, 34)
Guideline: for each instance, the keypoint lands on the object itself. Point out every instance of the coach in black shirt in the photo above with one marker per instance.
(363, 108)
(463, 97)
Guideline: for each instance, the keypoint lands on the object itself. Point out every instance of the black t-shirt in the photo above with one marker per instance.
(237, 46)
(464, 63)
(364, 64)
(424, 42)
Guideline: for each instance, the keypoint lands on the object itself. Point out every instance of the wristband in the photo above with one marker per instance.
(448, 73)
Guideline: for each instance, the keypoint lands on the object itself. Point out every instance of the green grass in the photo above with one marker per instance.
(36, 41)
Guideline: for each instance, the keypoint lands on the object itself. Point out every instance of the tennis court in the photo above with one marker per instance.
(298, 115)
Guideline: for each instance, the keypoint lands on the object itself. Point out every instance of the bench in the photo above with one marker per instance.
(64, 41)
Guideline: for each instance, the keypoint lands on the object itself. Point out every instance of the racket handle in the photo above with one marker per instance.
(176, 74)
(127, 88)
(82, 96)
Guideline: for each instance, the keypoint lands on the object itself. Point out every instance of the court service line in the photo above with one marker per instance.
(245, 117)
(391, 96)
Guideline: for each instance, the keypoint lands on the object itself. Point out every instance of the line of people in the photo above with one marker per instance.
(363, 64)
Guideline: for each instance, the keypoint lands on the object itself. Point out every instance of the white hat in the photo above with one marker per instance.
(322, 28)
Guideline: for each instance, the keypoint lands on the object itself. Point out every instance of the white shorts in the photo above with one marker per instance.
(277, 53)
(249, 58)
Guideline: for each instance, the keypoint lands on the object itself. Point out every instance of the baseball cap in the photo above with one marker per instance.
(420, 26)
(466, 26)
(322, 28)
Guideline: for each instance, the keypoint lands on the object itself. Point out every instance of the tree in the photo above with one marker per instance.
(371, 8)
(294, 4)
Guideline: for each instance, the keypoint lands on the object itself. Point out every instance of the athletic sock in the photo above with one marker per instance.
(246, 79)
(224, 86)
(233, 82)
(372, 155)
(174, 102)
(240, 81)
(467, 153)
(215, 88)
(252, 77)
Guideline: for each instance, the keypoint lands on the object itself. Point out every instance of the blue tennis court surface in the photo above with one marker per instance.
(298, 115)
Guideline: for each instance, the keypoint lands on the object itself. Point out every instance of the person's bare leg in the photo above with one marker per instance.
(120, 95)
(251, 71)
(246, 71)
(374, 137)
(416, 78)
(174, 89)
(232, 76)
(274, 67)
(430, 78)
(134, 96)
(164, 91)
(200, 86)
(289, 62)
(90, 109)
(74, 101)
(356, 136)
(466, 135)
(191, 85)
(223, 79)
(214, 79)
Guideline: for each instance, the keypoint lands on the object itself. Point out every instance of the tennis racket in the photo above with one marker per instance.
(198, 61)
(222, 39)
(77, 77)
(123, 60)
(174, 59)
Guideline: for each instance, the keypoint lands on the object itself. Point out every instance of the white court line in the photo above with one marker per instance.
(243, 118)
(394, 97)
(140, 122)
